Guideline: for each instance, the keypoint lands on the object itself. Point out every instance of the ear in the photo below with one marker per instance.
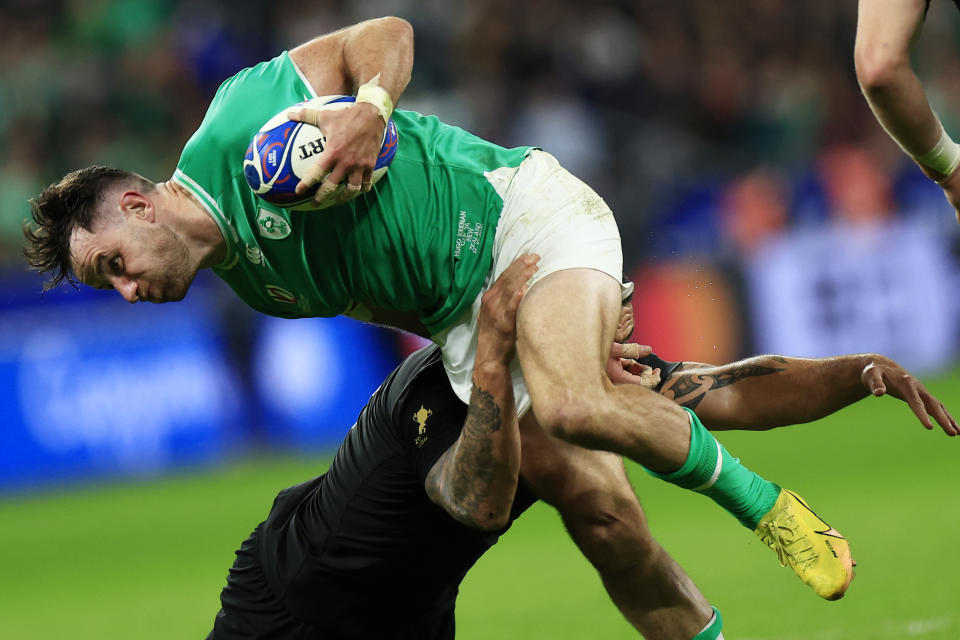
(134, 203)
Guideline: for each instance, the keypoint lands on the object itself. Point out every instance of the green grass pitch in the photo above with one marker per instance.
(147, 560)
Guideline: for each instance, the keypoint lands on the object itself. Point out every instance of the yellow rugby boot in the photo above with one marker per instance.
(815, 551)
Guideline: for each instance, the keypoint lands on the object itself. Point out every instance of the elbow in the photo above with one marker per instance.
(488, 515)
(401, 34)
(400, 26)
(879, 68)
(490, 520)
(400, 30)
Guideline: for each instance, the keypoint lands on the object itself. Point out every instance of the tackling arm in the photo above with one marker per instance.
(475, 480)
(765, 392)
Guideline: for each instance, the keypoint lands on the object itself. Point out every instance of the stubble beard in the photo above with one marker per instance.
(179, 269)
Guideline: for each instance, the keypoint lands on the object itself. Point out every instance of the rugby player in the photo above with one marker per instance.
(422, 486)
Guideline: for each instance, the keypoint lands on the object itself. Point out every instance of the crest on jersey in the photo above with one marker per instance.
(420, 417)
(271, 225)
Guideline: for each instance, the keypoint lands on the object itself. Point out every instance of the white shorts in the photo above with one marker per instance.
(550, 212)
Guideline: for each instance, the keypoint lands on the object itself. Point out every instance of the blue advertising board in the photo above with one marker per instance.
(313, 376)
(93, 387)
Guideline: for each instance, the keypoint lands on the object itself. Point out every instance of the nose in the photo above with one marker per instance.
(126, 288)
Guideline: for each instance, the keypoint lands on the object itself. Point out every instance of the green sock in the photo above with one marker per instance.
(713, 628)
(712, 471)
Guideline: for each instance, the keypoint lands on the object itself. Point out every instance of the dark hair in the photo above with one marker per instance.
(59, 209)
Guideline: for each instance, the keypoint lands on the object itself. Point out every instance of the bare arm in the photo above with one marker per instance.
(765, 392)
(475, 480)
(341, 61)
(338, 63)
(770, 391)
(886, 32)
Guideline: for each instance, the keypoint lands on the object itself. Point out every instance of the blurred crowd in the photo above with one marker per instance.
(762, 208)
(707, 126)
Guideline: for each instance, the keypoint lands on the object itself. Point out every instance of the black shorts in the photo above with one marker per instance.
(250, 611)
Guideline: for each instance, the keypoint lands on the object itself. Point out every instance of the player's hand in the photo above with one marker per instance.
(884, 376)
(354, 136)
(623, 368)
(497, 321)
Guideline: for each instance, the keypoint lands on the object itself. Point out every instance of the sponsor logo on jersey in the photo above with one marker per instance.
(420, 417)
(271, 225)
(253, 254)
(280, 294)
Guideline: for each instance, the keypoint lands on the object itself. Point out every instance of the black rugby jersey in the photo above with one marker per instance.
(362, 551)
(927, 8)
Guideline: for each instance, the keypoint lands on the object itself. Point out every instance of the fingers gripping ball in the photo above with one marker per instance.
(282, 152)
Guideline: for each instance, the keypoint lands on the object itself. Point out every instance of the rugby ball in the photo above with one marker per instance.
(282, 151)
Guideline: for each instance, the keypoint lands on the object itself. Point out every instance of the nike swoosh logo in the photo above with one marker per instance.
(829, 531)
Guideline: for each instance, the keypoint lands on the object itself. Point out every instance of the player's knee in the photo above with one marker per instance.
(611, 532)
(568, 415)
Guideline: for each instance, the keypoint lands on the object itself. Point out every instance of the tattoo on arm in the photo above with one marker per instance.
(483, 411)
(475, 465)
(690, 388)
(461, 478)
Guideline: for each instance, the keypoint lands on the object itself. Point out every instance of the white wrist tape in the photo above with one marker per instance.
(372, 93)
(944, 157)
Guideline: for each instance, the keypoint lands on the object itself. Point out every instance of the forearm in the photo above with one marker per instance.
(905, 114)
(383, 46)
(476, 479)
(764, 392)
(886, 30)
(339, 62)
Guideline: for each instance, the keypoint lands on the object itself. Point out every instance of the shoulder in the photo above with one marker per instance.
(261, 84)
(243, 103)
(421, 374)
(416, 391)
(213, 157)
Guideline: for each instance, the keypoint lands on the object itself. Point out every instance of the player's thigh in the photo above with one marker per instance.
(565, 327)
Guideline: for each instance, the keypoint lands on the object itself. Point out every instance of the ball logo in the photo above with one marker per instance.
(311, 148)
(272, 226)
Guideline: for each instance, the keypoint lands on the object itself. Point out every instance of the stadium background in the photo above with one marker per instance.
(762, 209)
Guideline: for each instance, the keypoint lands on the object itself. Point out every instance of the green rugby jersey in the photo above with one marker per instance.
(420, 240)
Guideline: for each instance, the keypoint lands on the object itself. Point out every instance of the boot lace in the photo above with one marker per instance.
(783, 535)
